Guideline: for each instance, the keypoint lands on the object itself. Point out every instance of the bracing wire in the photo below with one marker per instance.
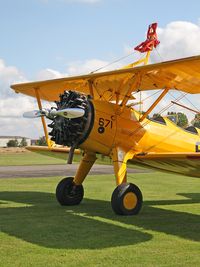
(159, 55)
(171, 104)
(195, 107)
(151, 96)
(192, 104)
(160, 112)
(113, 62)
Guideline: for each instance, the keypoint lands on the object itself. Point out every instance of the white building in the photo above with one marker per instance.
(5, 139)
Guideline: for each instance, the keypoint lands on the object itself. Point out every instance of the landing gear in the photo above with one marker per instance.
(67, 193)
(70, 190)
(126, 199)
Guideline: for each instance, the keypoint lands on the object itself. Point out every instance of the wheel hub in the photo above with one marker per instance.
(130, 201)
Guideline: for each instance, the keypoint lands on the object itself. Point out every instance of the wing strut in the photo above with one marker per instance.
(135, 84)
(190, 109)
(91, 89)
(42, 118)
(154, 104)
(140, 61)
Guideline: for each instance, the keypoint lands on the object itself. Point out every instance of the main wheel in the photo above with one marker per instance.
(67, 193)
(126, 199)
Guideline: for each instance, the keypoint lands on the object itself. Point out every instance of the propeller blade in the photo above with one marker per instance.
(32, 114)
(69, 113)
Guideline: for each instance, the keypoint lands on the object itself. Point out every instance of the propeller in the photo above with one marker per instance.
(69, 113)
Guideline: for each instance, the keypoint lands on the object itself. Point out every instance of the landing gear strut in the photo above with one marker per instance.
(70, 190)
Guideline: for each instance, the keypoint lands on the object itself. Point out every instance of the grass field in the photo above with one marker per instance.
(27, 158)
(36, 231)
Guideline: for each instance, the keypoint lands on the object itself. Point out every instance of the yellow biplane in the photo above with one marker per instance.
(93, 112)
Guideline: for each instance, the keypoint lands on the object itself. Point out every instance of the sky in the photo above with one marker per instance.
(44, 39)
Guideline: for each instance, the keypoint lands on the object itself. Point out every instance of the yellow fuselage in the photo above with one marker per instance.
(119, 130)
(114, 127)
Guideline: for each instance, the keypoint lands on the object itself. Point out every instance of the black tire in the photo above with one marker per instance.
(69, 194)
(126, 199)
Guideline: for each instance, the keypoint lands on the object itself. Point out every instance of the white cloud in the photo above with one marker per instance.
(8, 75)
(21, 127)
(13, 105)
(92, 65)
(179, 39)
(11, 117)
(47, 74)
(78, 68)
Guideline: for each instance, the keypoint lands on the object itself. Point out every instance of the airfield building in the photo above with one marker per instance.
(5, 139)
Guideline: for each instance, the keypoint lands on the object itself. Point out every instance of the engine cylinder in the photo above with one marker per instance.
(72, 132)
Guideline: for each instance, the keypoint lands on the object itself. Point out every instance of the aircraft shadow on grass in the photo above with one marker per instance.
(91, 225)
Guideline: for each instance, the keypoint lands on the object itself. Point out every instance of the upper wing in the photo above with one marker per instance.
(186, 163)
(182, 74)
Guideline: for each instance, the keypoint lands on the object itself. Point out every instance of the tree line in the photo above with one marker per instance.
(180, 119)
(23, 143)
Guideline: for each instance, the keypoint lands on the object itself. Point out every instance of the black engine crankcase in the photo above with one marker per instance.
(72, 132)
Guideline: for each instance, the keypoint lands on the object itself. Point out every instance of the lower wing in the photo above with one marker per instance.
(184, 163)
(55, 152)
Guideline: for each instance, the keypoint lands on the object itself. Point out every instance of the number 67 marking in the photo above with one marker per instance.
(105, 123)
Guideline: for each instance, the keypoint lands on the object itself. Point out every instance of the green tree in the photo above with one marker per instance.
(23, 142)
(182, 120)
(13, 143)
(179, 118)
(196, 121)
(156, 115)
(41, 141)
(172, 116)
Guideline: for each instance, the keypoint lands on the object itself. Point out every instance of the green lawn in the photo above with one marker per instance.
(14, 159)
(26, 158)
(36, 231)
